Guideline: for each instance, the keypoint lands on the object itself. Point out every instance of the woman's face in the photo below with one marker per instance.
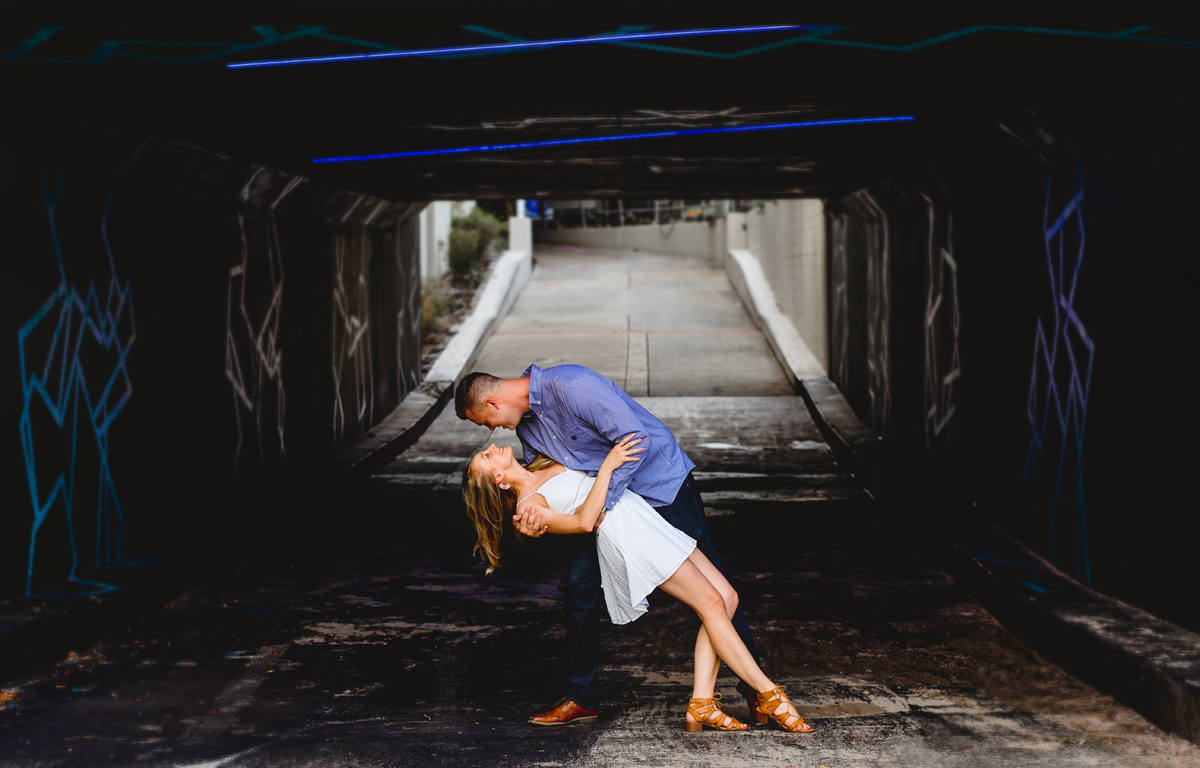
(493, 461)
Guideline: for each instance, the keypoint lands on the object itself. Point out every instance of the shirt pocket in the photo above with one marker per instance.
(580, 442)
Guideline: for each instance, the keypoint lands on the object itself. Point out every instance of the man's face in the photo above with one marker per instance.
(491, 413)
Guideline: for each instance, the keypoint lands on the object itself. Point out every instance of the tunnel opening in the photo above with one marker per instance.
(218, 369)
(895, 342)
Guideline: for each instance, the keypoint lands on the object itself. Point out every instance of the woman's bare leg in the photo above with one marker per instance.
(708, 664)
(729, 596)
(690, 585)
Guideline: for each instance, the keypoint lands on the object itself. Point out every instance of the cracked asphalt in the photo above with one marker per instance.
(408, 655)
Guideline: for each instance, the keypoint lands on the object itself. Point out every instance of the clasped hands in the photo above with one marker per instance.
(528, 521)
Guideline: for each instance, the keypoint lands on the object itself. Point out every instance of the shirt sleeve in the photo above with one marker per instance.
(595, 403)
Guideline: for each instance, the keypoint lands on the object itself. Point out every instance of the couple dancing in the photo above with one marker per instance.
(606, 465)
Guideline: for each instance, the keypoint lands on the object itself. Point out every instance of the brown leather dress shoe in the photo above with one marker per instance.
(565, 712)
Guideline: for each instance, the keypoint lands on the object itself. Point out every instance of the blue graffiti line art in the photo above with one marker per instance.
(1061, 376)
(253, 357)
(198, 52)
(82, 402)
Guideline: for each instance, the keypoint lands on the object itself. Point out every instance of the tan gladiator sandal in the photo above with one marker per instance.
(708, 712)
(770, 701)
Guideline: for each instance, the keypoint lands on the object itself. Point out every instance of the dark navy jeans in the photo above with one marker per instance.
(584, 599)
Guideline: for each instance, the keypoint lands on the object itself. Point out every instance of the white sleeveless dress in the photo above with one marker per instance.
(638, 550)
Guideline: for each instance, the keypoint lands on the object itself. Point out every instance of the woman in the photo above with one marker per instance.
(638, 552)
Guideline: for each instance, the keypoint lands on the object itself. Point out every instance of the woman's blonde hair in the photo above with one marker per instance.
(487, 506)
(540, 462)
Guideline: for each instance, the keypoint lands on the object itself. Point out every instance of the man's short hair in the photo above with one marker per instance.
(471, 392)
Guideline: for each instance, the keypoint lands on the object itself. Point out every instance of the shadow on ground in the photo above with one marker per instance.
(407, 655)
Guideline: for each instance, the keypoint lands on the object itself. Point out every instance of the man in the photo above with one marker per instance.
(574, 415)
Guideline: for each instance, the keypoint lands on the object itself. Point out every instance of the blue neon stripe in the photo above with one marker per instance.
(622, 137)
(510, 46)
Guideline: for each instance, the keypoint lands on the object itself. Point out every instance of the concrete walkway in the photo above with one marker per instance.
(660, 326)
(672, 333)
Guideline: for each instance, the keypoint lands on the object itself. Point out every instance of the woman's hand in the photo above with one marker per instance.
(529, 522)
(621, 453)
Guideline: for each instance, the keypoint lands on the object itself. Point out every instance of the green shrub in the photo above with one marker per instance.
(435, 302)
(471, 238)
(491, 231)
(464, 253)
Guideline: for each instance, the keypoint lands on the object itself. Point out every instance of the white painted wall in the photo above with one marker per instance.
(700, 239)
(506, 277)
(435, 234)
(788, 238)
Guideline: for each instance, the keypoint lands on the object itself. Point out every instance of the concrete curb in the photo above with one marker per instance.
(854, 442)
(1149, 664)
(403, 426)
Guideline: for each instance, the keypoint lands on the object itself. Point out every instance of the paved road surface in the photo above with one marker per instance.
(387, 655)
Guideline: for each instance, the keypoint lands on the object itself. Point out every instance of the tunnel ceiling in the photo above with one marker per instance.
(954, 78)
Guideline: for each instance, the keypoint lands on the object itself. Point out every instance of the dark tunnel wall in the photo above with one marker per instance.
(1019, 320)
(184, 326)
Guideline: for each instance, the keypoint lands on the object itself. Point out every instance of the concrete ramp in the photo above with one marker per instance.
(671, 331)
(660, 326)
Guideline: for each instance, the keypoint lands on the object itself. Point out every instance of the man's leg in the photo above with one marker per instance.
(583, 637)
(583, 620)
(687, 514)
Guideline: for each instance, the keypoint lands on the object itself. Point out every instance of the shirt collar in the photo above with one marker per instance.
(535, 385)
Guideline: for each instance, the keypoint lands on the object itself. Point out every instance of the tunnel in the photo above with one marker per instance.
(916, 295)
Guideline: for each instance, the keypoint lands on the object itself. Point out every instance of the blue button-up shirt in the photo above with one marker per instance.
(576, 415)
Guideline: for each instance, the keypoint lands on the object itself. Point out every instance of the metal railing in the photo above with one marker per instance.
(616, 213)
